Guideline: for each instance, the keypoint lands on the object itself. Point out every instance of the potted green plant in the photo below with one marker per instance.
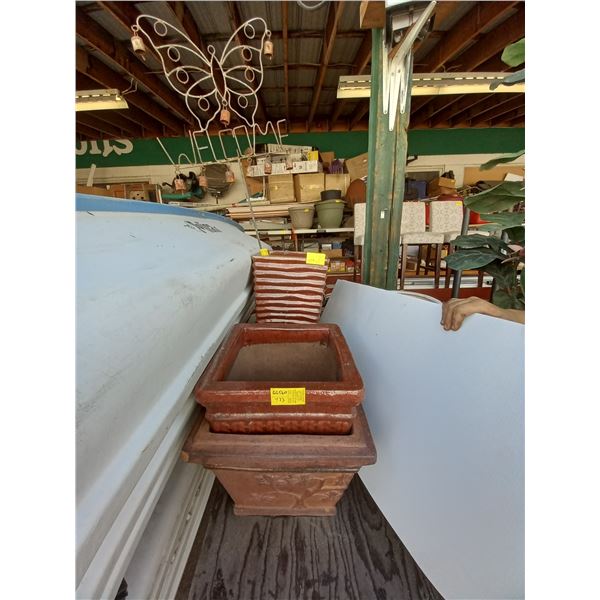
(502, 255)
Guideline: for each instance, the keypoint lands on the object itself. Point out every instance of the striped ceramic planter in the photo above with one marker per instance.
(288, 290)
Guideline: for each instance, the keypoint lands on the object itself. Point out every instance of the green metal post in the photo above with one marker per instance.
(385, 183)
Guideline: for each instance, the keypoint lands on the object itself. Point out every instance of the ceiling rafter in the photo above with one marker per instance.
(361, 110)
(101, 125)
(89, 132)
(98, 71)
(518, 113)
(488, 103)
(497, 110)
(362, 60)
(94, 35)
(125, 126)
(334, 13)
(508, 32)
(286, 70)
(458, 38)
(459, 105)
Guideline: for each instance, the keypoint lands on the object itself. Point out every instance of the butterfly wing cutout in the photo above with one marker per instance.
(209, 83)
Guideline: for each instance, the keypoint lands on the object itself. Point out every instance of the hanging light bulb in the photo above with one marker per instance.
(268, 167)
(229, 176)
(268, 47)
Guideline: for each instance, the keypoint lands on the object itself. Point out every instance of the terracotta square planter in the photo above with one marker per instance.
(283, 474)
(256, 361)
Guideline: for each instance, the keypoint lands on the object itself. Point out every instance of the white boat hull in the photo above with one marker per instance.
(156, 293)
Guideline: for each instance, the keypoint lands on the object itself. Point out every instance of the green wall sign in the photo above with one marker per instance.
(421, 142)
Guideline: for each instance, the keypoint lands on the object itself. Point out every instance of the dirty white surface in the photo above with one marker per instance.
(446, 411)
(156, 293)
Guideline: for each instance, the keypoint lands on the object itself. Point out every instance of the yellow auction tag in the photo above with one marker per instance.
(288, 396)
(315, 258)
(264, 252)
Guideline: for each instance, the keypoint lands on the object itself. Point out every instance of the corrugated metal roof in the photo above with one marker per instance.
(213, 20)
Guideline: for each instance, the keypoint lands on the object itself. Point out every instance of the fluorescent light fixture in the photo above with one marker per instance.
(99, 100)
(433, 84)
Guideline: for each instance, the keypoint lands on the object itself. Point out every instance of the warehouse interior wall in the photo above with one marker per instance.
(421, 142)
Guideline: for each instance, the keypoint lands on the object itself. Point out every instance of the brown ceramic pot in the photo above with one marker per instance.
(240, 385)
(283, 474)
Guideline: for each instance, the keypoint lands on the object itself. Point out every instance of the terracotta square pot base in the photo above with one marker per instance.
(290, 474)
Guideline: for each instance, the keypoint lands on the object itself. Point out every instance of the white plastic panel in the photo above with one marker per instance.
(446, 411)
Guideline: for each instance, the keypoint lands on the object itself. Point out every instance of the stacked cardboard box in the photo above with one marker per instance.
(308, 187)
(281, 189)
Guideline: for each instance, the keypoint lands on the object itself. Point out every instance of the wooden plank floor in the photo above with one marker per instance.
(355, 555)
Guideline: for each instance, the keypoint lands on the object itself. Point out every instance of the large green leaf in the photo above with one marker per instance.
(470, 259)
(490, 164)
(504, 299)
(500, 197)
(516, 235)
(514, 54)
(482, 241)
(505, 219)
(512, 79)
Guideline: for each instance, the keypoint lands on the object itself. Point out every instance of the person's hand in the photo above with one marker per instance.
(455, 311)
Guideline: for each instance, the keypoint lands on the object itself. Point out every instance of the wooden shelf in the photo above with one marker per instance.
(280, 232)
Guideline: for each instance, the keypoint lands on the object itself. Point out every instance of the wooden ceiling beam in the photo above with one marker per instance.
(490, 102)
(118, 52)
(361, 62)
(507, 118)
(498, 110)
(361, 110)
(99, 125)
(333, 17)
(518, 121)
(106, 77)
(455, 107)
(305, 66)
(490, 44)
(437, 104)
(286, 70)
(116, 119)
(236, 22)
(464, 32)
(89, 132)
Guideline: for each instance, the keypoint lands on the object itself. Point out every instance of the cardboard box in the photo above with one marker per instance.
(281, 189)
(337, 182)
(358, 166)
(255, 186)
(337, 266)
(308, 186)
(307, 166)
(336, 253)
(441, 185)
(327, 158)
(96, 191)
(285, 148)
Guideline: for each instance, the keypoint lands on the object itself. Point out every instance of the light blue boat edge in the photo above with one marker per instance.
(92, 203)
